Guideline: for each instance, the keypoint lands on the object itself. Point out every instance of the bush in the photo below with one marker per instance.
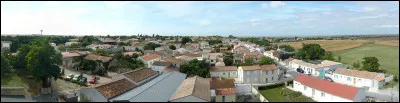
(396, 79)
(271, 86)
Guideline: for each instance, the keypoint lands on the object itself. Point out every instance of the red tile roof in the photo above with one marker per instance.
(341, 90)
(67, 55)
(221, 84)
(140, 75)
(223, 68)
(151, 57)
(269, 67)
(115, 88)
(97, 57)
(253, 67)
(225, 91)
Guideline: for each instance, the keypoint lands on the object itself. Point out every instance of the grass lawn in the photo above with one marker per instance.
(273, 95)
(21, 80)
(388, 56)
(390, 84)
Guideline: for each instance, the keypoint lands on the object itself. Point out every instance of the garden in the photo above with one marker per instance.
(279, 93)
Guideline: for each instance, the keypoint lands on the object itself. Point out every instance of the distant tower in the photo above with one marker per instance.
(278, 48)
(41, 32)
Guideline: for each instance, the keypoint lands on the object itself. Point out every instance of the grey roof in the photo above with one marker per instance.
(160, 89)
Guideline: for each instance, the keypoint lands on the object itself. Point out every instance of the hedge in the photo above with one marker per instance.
(271, 86)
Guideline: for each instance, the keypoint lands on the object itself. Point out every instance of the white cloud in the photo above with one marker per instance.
(255, 20)
(386, 26)
(368, 9)
(205, 22)
(264, 5)
(115, 4)
(369, 17)
(276, 4)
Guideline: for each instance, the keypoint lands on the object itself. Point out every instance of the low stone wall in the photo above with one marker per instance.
(13, 91)
(258, 94)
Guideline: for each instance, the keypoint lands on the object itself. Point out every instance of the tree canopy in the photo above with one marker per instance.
(287, 48)
(196, 67)
(185, 40)
(228, 59)
(370, 64)
(310, 52)
(5, 66)
(266, 61)
(43, 61)
(172, 47)
(151, 46)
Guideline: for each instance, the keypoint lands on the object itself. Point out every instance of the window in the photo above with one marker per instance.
(359, 80)
(272, 78)
(272, 71)
(336, 76)
(305, 88)
(313, 91)
(322, 94)
(223, 73)
(348, 79)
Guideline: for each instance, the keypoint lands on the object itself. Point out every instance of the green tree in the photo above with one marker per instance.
(151, 46)
(356, 65)
(186, 40)
(231, 36)
(228, 59)
(172, 47)
(339, 58)
(287, 48)
(23, 51)
(196, 67)
(61, 47)
(371, 64)
(310, 52)
(43, 61)
(266, 61)
(248, 62)
(100, 52)
(5, 66)
(328, 56)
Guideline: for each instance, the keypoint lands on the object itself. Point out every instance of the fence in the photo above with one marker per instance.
(13, 91)
(388, 79)
(258, 94)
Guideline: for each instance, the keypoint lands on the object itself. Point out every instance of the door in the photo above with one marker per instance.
(223, 98)
(266, 80)
(354, 81)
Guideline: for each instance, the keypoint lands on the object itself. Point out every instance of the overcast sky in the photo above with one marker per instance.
(245, 18)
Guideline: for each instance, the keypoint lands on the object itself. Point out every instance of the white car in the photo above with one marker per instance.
(76, 78)
(69, 76)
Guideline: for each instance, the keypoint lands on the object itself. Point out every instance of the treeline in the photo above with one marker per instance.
(17, 41)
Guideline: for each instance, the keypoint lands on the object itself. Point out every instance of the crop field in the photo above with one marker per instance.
(330, 45)
(388, 56)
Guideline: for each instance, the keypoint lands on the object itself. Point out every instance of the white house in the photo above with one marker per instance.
(324, 91)
(101, 46)
(159, 66)
(193, 89)
(149, 59)
(359, 78)
(173, 61)
(224, 71)
(129, 48)
(204, 44)
(272, 54)
(258, 74)
(68, 61)
(5, 45)
(213, 58)
(315, 69)
(259, 48)
(207, 50)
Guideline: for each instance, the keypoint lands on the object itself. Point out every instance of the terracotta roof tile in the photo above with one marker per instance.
(341, 90)
(173, 60)
(170, 69)
(140, 75)
(223, 68)
(115, 88)
(225, 91)
(67, 55)
(269, 67)
(131, 53)
(356, 73)
(253, 67)
(97, 57)
(220, 84)
(151, 57)
(161, 63)
(194, 86)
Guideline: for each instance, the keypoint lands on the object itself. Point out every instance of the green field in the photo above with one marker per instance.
(388, 56)
(273, 95)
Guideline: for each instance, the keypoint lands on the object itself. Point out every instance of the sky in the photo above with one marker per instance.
(200, 18)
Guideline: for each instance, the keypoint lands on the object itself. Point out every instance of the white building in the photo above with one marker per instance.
(149, 59)
(258, 74)
(159, 66)
(272, 54)
(316, 69)
(359, 78)
(5, 45)
(204, 44)
(224, 71)
(222, 90)
(325, 91)
(101, 46)
(213, 58)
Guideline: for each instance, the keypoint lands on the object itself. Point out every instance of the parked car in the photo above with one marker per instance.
(300, 70)
(83, 79)
(328, 79)
(76, 78)
(93, 80)
(69, 76)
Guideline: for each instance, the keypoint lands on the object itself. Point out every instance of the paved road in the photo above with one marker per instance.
(88, 76)
(386, 95)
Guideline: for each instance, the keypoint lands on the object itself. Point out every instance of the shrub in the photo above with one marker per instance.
(271, 86)
(372, 101)
(395, 79)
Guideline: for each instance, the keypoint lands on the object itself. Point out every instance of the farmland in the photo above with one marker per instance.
(388, 56)
(330, 45)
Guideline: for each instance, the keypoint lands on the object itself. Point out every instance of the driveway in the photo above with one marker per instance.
(100, 81)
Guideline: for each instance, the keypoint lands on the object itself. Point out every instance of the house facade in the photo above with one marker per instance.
(315, 69)
(359, 78)
(68, 60)
(325, 91)
(222, 90)
(224, 71)
(258, 74)
(149, 59)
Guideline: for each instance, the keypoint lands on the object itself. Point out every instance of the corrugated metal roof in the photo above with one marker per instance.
(160, 89)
